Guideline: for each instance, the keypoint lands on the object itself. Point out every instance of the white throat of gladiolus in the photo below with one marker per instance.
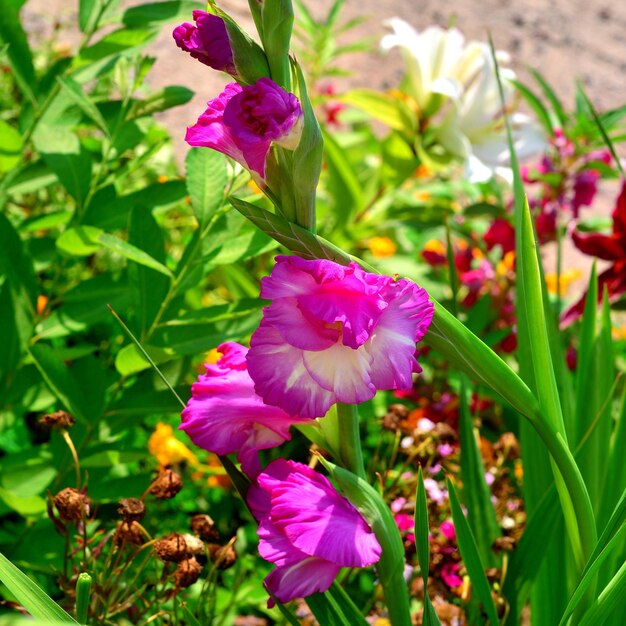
(291, 140)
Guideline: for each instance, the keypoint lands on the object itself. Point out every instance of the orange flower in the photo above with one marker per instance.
(167, 449)
(382, 247)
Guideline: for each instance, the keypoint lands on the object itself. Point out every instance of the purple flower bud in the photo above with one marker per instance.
(207, 41)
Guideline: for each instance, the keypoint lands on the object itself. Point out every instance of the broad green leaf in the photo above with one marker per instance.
(26, 474)
(149, 288)
(245, 246)
(130, 360)
(16, 264)
(121, 41)
(76, 94)
(30, 595)
(132, 253)
(10, 147)
(157, 12)
(343, 183)
(18, 52)
(66, 157)
(61, 381)
(24, 505)
(11, 348)
(207, 178)
(79, 241)
(385, 108)
(161, 100)
(86, 13)
(476, 495)
(85, 305)
(471, 557)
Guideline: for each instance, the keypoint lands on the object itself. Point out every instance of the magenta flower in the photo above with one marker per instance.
(224, 415)
(447, 530)
(334, 334)
(207, 41)
(243, 122)
(307, 530)
(450, 575)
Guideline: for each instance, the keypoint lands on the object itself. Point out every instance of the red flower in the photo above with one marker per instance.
(610, 248)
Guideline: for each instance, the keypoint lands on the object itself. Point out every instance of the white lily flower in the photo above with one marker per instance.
(457, 82)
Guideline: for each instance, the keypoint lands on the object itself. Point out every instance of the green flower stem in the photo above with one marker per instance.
(349, 437)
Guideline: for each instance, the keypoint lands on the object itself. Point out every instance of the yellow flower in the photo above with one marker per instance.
(567, 278)
(167, 449)
(381, 247)
(507, 264)
(619, 333)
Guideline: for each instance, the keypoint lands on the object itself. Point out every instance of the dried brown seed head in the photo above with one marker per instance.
(172, 547)
(204, 527)
(166, 485)
(187, 572)
(57, 420)
(222, 556)
(504, 544)
(72, 505)
(396, 413)
(131, 509)
(128, 533)
(194, 545)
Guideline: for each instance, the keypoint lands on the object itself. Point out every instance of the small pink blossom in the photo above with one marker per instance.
(403, 521)
(444, 449)
(424, 425)
(450, 576)
(397, 505)
(489, 478)
(447, 530)
(307, 530)
(243, 122)
(435, 493)
(334, 333)
(224, 415)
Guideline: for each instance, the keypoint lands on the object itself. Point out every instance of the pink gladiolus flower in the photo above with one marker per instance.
(207, 41)
(334, 334)
(224, 415)
(307, 530)
(243, 122)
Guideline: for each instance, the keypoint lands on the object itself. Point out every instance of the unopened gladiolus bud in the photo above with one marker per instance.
(187, 572)
(131, 509)
(207, 41)
(72, 505)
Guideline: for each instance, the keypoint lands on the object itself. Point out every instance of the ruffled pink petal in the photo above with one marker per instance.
(317, 520)
(276, 547)
(392, 346)
(281, 377)
(343, 371)
(299, 330)
(225, 415)
(288, 279)
(301, 579)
